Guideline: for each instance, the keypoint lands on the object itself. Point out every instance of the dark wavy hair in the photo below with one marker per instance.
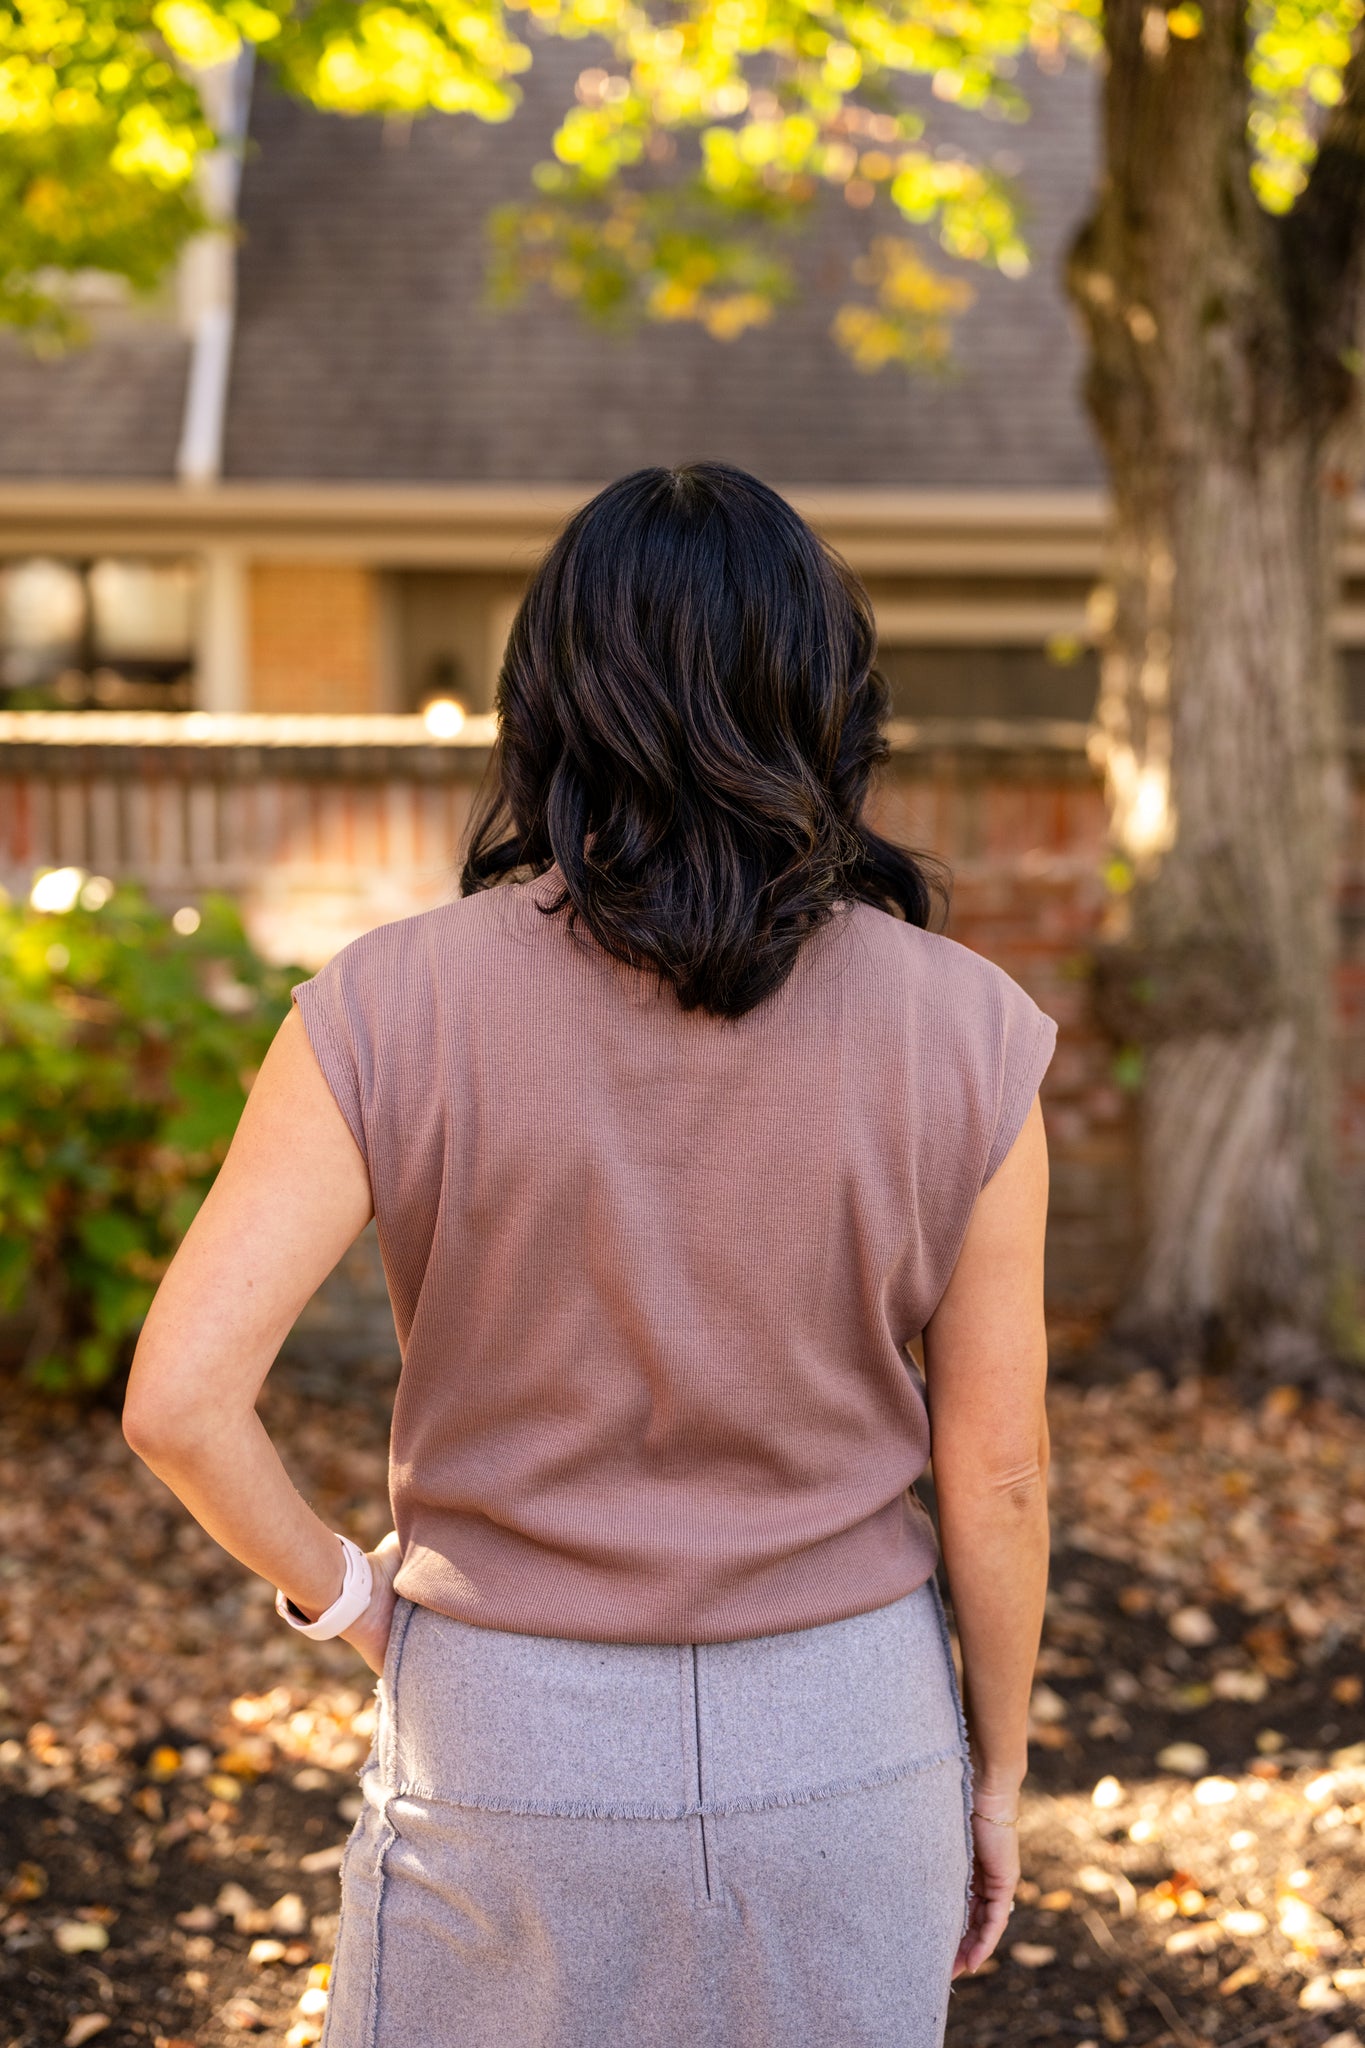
(689, 717)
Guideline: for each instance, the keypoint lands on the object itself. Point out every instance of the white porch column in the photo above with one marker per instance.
(222, 682)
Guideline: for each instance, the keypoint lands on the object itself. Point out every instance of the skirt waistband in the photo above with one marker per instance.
(543, 1725)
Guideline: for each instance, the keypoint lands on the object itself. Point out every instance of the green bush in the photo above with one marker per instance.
(128, 1040)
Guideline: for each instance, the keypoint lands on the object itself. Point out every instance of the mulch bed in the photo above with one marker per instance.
(178, 1772)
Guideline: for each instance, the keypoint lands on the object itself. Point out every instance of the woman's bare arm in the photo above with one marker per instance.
(290, 1197)
(985, 1360)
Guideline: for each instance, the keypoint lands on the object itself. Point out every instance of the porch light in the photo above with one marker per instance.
(443, 717)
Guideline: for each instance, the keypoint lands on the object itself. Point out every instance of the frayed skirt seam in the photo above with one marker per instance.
(968, 1773)
(386, 1841)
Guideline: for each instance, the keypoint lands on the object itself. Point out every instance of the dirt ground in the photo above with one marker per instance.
(178, 1771)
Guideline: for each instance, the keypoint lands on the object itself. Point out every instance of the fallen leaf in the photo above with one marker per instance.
(28, 1882)
(323, 1859)
(1113, 2023)
(1091, 1878)
(1034, 1955)
(1311, 1932)
(243, 2015)
(198, 1919)
(246, 1916)
(1239, 1682)
(1193, 1626)
(1188, 1759)
(1203, 1936)
(84, 2028)
(1238, 1979)
(1243, 1921)
(1304, 1618)
(1268, 1645)
(80, 1937)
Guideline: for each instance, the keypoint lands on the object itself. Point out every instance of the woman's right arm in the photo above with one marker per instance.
(985, 1364)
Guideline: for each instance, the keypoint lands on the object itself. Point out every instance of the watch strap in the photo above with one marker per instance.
(348, 1606)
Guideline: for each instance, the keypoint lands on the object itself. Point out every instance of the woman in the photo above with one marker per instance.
(679, 1127)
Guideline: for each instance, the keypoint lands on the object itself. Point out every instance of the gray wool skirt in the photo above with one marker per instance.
(570, 1844)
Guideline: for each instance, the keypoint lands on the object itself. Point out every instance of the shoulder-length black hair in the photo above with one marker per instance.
(688, 720)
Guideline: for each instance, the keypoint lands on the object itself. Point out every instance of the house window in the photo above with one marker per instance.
(110, 634)
(450, 629)
(949, 681)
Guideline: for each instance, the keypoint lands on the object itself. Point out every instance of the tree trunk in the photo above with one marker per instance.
(1229, 435)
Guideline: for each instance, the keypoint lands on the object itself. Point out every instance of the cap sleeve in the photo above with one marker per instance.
(332, 1033)
(1029, 1040)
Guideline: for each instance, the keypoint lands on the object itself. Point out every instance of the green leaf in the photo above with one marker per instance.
(116, 1107)
(110, 1235)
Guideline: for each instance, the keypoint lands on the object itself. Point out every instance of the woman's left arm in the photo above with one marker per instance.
(291, 1195)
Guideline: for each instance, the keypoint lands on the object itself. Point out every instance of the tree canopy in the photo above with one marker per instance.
(700, 135)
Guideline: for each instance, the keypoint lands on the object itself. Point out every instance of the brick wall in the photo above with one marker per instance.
(1023, 836)
(323, 842)
(313, 642)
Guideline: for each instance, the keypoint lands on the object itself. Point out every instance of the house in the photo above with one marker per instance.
(250, 533)
(316, 483)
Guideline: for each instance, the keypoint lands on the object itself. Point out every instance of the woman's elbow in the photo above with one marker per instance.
(1014, 1487)
(1022, 1488)
(148, 1428)
(158, 1417)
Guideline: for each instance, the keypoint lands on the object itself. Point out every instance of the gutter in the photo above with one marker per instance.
(502, 526)
(209, 275)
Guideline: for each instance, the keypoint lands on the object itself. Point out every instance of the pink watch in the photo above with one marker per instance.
(348, 1606)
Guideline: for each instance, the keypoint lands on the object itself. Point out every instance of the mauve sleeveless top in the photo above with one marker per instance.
(653, 1273)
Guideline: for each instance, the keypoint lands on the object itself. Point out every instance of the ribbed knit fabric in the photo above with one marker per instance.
(653, 1272)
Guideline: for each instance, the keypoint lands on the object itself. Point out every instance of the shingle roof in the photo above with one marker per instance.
(363, 349)
(109, 408)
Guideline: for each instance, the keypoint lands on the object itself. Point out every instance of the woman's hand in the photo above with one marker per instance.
(994, 1877)
(370, 1634)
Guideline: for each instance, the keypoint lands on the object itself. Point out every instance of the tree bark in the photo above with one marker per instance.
(1228, 417)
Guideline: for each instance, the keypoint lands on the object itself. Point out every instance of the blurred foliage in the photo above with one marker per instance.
(701, 126)
(126, 1050)
(103, 124)
(1298, 56)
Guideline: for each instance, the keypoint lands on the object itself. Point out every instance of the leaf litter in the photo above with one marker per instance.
(178, 1772)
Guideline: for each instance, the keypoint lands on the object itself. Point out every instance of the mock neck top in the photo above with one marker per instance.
(654, 1272)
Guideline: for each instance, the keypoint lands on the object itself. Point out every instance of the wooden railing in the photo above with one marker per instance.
(325, 826)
